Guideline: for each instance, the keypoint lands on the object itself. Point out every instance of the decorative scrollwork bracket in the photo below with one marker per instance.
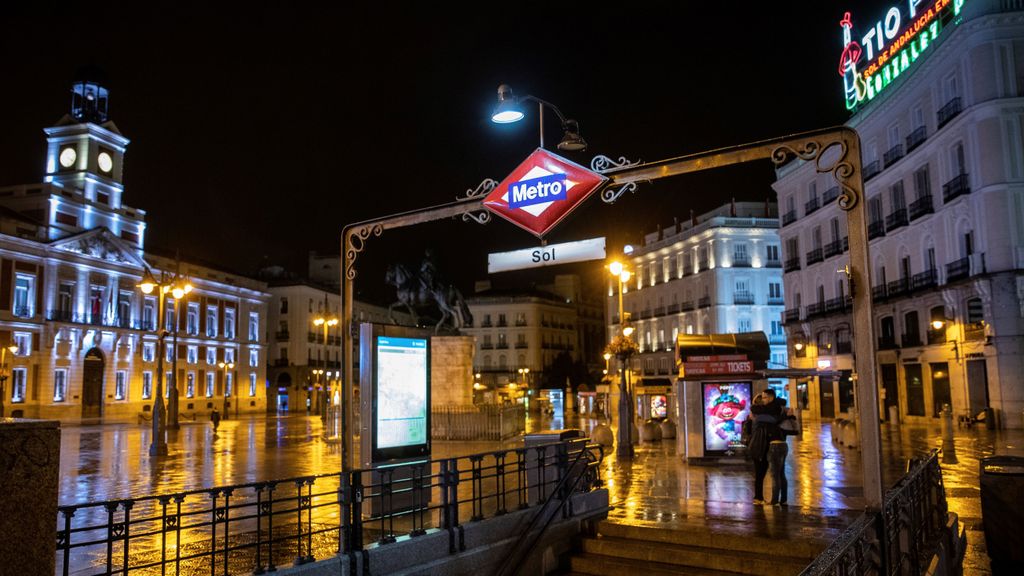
(826, 160)
(357, 243)
(485, 187)
(612, 193)
(602, 163)
(480, 217)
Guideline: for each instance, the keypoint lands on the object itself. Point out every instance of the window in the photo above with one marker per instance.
(487, 342)
(148, 351)
(502, 342)
(680, 267)
(922, 186)
(192, 324)
(149, 314)
(254, 358)
(229, 355)
(949, 88)
(23, 340)
(169, 305)
(896, 197)
(254, 326)
(774, 291)
(229, 323)
(740, 255)
(121, 385)
(812, 191)
(284, 305)
(211, 321)
(930, 258)
(917, 117)
(772, 252)
(975, 311)
(252, 384)
(894, 135)
(124, 308)
(168, 353)
(502, 321)
(60, 384)
(875, 209)
(816, 238)
(147, 385)
(23, 295)
(190, 386)
(745, 325)
(520, 319)
(956, 160)
(283, 355)
(211, 355)
(192, 355)
(229, 383)
(834, 227)
(209, 384)
(18, 378)
(65, 297)
(776, 328)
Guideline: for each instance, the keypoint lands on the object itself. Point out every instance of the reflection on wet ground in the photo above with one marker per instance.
(655, 487)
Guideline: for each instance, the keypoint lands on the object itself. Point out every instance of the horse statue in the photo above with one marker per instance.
(417, 291)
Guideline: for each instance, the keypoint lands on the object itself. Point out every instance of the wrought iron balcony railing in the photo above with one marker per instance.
(814, 256)
(915, 138)
(743, 298)
(773, 264)
(876, 229)
(910, 340)
(878, 293)
(816, 309)
(897, 219)
(921, 207)
(926, 279)
(833, 248)
(792, 264)
(789, 217)
(791, 315)
(956, 187)
(897, 287)
(830, 195)
(887, 343)
(949, 111)
(844, 347)
(740, 261)
(871, 170)
(958, 269)
(892, 155)
(704, 302)
(811, 206)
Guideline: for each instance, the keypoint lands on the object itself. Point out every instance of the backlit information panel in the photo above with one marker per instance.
(402, 400)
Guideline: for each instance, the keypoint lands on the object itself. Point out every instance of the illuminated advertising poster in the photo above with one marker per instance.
(402, 396)
(726, 406)
(659, 406)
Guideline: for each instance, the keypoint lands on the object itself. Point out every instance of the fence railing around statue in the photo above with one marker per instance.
(477, 422)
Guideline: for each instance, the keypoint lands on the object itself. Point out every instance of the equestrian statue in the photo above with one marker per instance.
(424, 289)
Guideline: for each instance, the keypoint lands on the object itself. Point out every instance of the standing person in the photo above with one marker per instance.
(767, 412)
(215, 418)
(778, 449)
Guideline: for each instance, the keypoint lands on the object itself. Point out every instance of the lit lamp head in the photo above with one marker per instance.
(332, 322)
(572, 141)
(148, 283)
(318, 322)
(938, 324)
(625, 276)
(627, 331)
(507, 110)
(799, 346)
(607, 356)
(615, 268)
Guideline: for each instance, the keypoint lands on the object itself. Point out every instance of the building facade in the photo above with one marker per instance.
(85, 337)
(941, 135)
(719, 273)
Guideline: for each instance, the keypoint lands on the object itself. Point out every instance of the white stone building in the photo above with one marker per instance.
(71, 257)
(941, 132)
(718, 273)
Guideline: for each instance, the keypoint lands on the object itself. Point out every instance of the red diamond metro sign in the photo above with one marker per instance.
(542, 191)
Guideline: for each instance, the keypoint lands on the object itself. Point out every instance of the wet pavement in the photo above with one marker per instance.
(654, 488)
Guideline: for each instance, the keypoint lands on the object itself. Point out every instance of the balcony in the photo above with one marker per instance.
(743, 298)
(659, 311)
(23, 311)
(878, 293)
(841, 304)
(521, 345)
(876, 229)
(887, 343)
(916, 138)
(776, 338)
(703, 265)
(937, 336)
(816, 309)
(833, 248)
(501, 346)
(791, 315)
(814, 256)
(958, 269)
(792, 264)
(149, 324)
(280, 362)
(773, 264)
(949, 111)
(897, 219)
(281, 335)
(740, 261)
(311, 337)
(789, 217)
(956, 187)
(927, 279)
(811, 206)
(871, 170)
(897, 287)
(673, 309)
(704, 302)
(776, 301)
(520, 322)
(844, 347)
(974, 331)
(686, 306)
(892, 155)
(502, 323)
(921, 207)
(124, 323)
(60, 316)
(487, 346)
(910, 340)
(644, 314)
(829, 196)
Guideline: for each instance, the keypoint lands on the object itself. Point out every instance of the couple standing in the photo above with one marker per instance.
(767, 447)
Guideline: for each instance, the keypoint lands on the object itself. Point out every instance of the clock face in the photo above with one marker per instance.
(68, 157)
(105, 162)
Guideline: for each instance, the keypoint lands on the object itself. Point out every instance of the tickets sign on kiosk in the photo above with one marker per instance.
(719, 375)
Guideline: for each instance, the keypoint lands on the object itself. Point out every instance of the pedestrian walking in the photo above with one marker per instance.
(764, 421)
(215, 419)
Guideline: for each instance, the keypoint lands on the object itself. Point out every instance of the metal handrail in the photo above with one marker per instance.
(254, 527)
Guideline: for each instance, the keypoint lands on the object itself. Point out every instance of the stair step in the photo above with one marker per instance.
(600, 565)
(733, 556)
(798, 546)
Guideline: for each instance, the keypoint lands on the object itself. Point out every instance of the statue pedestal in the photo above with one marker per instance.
(451, 370)
(29, 472)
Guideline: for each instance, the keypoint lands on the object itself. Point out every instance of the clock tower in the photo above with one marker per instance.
(85, 166)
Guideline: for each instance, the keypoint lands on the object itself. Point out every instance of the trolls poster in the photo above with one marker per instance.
(726, 406)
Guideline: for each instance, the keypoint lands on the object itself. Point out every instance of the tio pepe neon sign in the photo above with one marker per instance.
(889, 47)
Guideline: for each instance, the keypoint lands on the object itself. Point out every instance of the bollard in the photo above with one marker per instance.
(948, 446)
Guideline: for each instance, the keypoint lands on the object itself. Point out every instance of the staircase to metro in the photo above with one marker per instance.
(620, 549)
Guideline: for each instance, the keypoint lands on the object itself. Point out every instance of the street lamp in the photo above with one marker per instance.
(177, 286)
(508, 111)
(227, 367)
(326, 321)
(625, 441)
(13, 349)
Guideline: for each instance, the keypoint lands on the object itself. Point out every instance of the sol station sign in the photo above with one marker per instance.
(542, 191)
(878, 53)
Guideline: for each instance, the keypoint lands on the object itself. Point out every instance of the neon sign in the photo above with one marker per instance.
(890, 46)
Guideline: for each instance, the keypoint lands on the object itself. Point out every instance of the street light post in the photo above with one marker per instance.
(624, 446)
(3, 374)
(326, 321)
(508, 111)
(177, 287)
(226, 367)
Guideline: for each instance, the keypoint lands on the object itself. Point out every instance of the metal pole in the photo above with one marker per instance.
(540, 112)
(3, 379)
(172, 403)
(158, 447)
(625, 443)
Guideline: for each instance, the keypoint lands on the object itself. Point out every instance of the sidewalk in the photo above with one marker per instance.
(658, 488)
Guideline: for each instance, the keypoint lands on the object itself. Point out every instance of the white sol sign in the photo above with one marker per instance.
(568, 252)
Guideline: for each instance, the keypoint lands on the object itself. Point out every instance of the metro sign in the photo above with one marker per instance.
(542, 191)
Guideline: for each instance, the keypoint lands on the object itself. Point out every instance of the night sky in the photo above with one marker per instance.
(257, 134)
